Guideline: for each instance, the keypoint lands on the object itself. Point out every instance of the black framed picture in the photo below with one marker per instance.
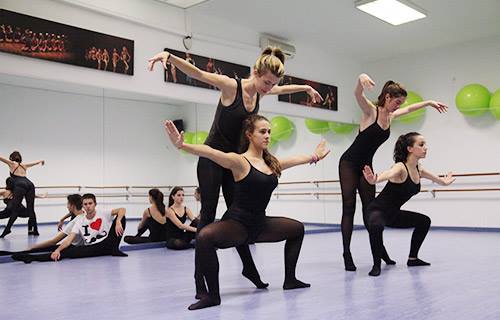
(211, 65)
(327, 92)
(43, 39)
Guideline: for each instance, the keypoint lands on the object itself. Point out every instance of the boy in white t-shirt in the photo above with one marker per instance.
(75, 209)
(101, 235)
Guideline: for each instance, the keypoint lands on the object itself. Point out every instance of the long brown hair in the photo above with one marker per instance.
(172, 194)
(394, 89)
(401, 147)
(271, 59)
(249, 127)
(157, 197)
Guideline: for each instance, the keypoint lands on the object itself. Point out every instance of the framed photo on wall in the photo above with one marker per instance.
(327, 92)
(212, 65)
(48, 40)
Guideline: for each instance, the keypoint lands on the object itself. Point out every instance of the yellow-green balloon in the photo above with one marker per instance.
(317, 126)
(411, 98)
(188, 137)
(473, 100)
(272, 143)
(495, 104)
(341, 128)
(281, 128)
(200, 137)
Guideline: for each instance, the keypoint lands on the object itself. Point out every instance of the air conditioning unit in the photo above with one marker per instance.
(288, 49)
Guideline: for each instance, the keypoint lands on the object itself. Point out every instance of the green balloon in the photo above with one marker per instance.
(473, 100)
(281, 128)
(200, 137)
(188, 137)
(495, 104)
(411, 98)
(272, 143)
(317, 126)
(341, 128)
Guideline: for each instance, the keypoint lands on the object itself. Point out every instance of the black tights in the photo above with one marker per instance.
(108, 246)
(23, 188)
(230, 233)
(352, 179)
(211, 177)
(400, 219)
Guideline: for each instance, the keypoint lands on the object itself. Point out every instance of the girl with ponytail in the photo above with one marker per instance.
(239, 98)
(153, 219)
(255, 174)
(374, 130)
(403, 182)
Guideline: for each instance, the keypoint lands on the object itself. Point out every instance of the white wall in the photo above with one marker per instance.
(130, 148)
(457, 143)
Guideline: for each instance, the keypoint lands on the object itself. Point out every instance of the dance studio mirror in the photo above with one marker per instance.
(108, 142)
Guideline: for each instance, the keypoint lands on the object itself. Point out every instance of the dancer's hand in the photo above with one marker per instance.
(315, 96)
(441, 107)
(321, 150)
(448, 179)
(119, 228)
(56, 255)
(369, 175)
(162, 56)
(174, 135)
(366, 82)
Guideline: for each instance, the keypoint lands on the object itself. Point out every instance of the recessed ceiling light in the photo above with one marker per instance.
(395, 12)
(184, 4)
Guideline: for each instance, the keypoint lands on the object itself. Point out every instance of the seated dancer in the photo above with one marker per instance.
(179, 234)
(153, 219)
(101, 235)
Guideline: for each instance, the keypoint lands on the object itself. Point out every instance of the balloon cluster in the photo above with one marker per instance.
(321, 126)
(474, 100)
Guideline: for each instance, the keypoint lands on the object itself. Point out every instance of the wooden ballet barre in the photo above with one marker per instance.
(59, 187)
(478, 174)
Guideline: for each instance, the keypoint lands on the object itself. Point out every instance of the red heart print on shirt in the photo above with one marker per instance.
(96, 225)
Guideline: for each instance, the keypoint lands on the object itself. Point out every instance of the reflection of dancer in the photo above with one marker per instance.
(27, 40)
(105, 58)
(125, 57)
(23, 188)
(9, 34)
(255, 174)
(385, 210)
(35, 42)
(238, 100)
(115, 58)
(374, 130)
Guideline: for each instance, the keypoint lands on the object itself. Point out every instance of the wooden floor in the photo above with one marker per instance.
(462, 283)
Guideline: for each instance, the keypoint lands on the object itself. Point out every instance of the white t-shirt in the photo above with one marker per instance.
(93, 230)
(77, 241)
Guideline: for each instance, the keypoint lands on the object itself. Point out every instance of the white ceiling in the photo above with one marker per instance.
(336, 26)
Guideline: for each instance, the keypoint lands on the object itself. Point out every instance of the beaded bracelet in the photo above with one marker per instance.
(314, 158)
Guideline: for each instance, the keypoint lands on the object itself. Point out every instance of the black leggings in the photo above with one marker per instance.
(182, 240)
(230, 233)
(108, 246)
(377, 219)
(23, 188)
(156, 233)
(352, 179)
(211, 177)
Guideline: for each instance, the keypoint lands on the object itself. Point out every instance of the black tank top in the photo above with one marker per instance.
(252, 193)
(394, 195)
(172, 230)
(366, 143)
(225, 133)
(157, 230)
